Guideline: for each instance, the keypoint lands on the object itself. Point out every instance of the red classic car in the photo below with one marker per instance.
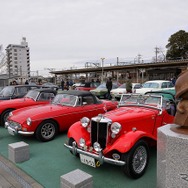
(87, 86)
(16, 91)
(66, 108)
(122, 136)
(33, 97)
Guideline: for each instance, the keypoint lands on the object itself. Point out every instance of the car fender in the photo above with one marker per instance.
(126, 141)
(76, 131)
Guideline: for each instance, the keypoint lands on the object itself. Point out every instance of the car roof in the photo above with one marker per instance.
(77, 92)
(158, 81)
(49, 90)
(27, 85)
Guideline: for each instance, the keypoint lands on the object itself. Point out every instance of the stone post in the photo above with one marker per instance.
(172, 158)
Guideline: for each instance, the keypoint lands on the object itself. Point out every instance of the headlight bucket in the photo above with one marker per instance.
(115, 127)
(85, 122)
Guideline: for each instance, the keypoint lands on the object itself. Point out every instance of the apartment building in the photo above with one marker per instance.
(18, 61)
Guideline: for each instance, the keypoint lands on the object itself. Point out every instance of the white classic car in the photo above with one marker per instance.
(116, 93)
(155, 85)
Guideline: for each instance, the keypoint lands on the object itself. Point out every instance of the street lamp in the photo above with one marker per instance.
(102, 68)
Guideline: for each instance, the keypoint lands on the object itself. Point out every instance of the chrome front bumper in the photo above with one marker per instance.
(75, 150)
(13, 131)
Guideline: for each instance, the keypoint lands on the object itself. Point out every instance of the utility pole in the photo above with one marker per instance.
(117, 70)
(139, 57)
(156, 52)
(102, 68)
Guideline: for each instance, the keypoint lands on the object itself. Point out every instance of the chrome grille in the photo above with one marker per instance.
(99, 131)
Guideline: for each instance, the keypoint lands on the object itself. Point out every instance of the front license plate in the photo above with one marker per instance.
(11, 131)
(87, 160)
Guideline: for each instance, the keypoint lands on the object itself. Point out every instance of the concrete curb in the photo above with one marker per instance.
(10, 174)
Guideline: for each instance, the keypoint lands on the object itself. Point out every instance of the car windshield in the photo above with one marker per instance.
(7, 91)
(65, 100)
(146, 100)
(150, 85)
(32, 94)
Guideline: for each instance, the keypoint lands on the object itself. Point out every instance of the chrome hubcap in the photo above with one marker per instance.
(48, 130)
(139, 159)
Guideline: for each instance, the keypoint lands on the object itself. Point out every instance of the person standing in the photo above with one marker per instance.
(67, 84)
(109, 87)
(129, 85)
(62, 84)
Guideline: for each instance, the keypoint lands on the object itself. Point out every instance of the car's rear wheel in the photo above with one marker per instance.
(136, 160)
(46, 131)
(5, 115)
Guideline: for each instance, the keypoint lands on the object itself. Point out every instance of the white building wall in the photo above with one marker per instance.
(18, 61)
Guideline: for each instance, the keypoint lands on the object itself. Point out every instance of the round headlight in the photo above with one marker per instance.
(10, 114)
(84, 122)
(29, 121)
(82, 142)
(97, 146)
(115, 127)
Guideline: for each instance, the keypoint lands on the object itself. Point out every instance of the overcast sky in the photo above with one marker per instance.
(67, 33)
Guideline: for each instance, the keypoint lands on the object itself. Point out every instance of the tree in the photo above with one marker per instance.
(177, 48)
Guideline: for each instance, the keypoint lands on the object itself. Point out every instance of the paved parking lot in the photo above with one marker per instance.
(50, 160)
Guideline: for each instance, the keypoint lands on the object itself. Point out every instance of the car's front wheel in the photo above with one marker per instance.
(136, 160)
(5, 115)
(46, 131)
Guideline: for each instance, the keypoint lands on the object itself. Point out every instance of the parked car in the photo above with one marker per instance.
(101, 91)
(16, 91)
(116, 93)
(66, 108)
(50, 85)
(33, 97)
(155, 85)
(87, 86)
(122, 136)
(76, 85)
(1, 88)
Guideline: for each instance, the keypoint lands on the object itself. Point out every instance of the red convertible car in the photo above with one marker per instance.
(66, 108)
(122, 136)
(33, 97)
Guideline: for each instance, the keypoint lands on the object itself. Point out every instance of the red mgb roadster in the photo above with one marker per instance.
(122, 136)
(66, 108)
(33, 97)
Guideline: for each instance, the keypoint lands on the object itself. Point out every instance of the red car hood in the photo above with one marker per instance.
(130, 113)
(39, 112)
